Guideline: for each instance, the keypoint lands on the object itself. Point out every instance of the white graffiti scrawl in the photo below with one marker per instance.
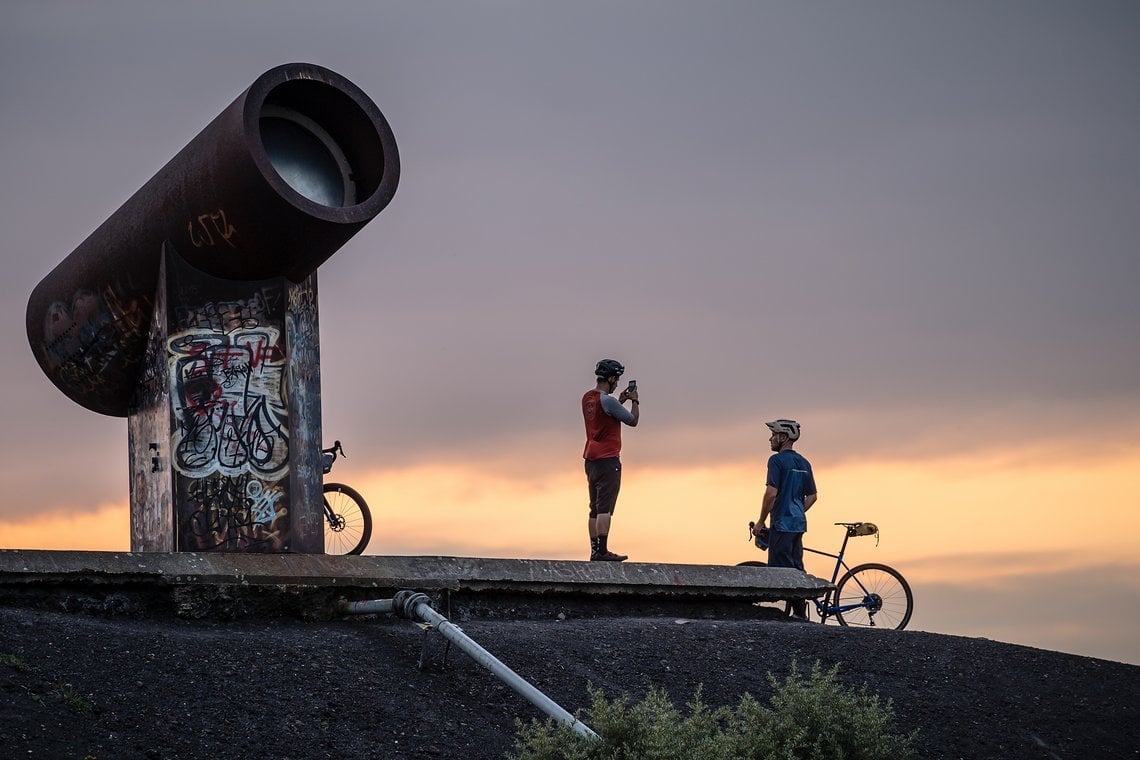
(227, 395)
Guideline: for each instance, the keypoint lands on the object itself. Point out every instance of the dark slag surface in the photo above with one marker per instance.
(98, 686)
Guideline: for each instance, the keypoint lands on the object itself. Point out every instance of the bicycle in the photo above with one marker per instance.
(348, 523)
(870, 594)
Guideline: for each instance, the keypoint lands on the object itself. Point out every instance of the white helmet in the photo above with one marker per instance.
(790, 428)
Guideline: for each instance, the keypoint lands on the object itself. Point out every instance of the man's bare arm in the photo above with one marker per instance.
(766, 505)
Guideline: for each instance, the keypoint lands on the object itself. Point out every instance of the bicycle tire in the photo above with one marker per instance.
(752, 563)
(892, 597)
(352, 530)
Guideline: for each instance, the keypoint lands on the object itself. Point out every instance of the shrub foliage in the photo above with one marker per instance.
(808, 718)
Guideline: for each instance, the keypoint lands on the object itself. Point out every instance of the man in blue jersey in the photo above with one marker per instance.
(789, 494)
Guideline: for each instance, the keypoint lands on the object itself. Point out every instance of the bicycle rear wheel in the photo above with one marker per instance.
(884, 596)
(348, 523)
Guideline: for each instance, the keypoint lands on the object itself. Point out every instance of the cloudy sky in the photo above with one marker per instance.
(912, 226)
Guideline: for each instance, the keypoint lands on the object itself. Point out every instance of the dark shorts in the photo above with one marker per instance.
(604, 479)
(785, 549)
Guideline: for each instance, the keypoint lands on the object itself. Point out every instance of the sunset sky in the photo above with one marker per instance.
(914, 227)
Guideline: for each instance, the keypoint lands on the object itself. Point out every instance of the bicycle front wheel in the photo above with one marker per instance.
(348, 523)
(881, 594)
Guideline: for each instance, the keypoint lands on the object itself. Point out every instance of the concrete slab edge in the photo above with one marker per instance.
(531, 576)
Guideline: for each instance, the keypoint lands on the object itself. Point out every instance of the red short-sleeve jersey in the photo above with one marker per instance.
(603, 432)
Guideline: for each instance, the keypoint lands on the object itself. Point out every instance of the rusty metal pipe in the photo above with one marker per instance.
(272, 187)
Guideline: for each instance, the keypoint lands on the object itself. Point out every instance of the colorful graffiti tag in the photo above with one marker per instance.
(233, 513)
(229, 406)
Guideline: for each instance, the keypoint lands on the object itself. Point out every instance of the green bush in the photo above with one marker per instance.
(812, 718)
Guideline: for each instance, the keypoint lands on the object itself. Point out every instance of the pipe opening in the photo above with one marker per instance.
(321, 143)
(307, 157)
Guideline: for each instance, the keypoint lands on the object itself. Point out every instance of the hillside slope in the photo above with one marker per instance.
(78, 686)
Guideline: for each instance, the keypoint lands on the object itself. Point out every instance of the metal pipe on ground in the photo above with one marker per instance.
(413, 605)
(374, 607)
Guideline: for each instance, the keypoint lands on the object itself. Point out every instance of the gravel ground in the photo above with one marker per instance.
(82, 686)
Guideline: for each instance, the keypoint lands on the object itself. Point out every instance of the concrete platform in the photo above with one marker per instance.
(200, 585)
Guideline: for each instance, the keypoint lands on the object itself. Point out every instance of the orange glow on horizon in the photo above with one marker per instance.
(108, 528)
(982, 545)
(1014, 519)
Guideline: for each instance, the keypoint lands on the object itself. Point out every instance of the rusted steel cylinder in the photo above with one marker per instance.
(272, 187)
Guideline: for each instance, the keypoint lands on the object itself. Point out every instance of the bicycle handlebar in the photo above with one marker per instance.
(329, 456)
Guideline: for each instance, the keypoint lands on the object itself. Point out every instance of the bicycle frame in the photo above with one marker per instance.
(328, 456)
(349, 516)
(825, 607)
(859, 594)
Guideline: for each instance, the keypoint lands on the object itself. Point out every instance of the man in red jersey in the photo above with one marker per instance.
(604, 416)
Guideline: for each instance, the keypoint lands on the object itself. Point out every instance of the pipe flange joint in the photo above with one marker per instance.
(405, 603)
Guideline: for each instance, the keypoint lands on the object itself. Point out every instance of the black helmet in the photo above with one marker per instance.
(608, 368)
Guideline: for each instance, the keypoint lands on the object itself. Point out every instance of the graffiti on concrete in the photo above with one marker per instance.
(305, 465)
(228, 401)
(235, 513)
(230, 314)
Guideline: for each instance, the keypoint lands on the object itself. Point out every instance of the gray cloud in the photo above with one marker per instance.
(912, 213)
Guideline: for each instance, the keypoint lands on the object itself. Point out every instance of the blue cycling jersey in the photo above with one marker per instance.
(790, 474)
